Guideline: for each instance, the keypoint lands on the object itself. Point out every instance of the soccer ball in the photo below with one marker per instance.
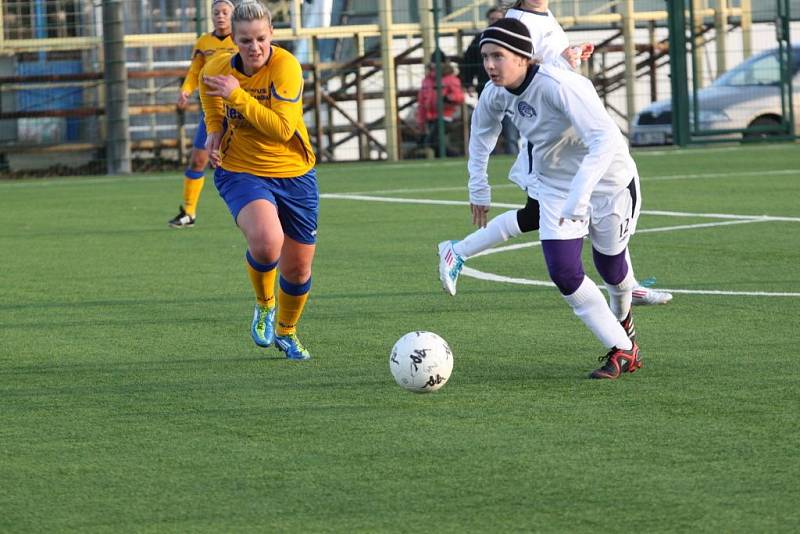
(421, 362)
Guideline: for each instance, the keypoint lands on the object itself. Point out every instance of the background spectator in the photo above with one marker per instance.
(427, 109)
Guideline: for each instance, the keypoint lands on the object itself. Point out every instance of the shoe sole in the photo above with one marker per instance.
(180, 225)
(291, 358)
(260, 343)
(634, 366)
(643, 302)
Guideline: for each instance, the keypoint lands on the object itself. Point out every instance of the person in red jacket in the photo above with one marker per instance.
(427, 109)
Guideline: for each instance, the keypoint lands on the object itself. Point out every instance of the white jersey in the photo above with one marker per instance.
(549, 42)
(549, 38)
(577, 148)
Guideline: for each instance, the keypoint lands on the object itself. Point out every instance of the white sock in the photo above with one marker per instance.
(619, 296)
(498, 230)
(590, 306)
(630, 267)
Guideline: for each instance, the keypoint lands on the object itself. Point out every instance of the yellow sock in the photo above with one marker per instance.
(191, 194)
(291, 301)
(262, 276)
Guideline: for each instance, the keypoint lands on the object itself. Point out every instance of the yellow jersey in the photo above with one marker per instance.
(265, 134)
(204, 48)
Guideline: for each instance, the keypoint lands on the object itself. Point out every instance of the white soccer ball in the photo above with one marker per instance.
(421, 362)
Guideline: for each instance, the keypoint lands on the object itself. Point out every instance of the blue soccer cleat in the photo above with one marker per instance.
(291, 346)
(263, 328)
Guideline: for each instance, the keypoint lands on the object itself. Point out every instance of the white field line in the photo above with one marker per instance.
(734, 174)
(743, 174)
(704, 150)
(405, 191)
(427, 165)
(48, 182)
(399, 200)
(474, 273)
(531, 244)
(721, 216)
(396, 200)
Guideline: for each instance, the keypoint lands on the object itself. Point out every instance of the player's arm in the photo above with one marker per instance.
(214, 113)
(484, 131)
(279, 122)
(597, 130)
(213, 104)
(191, 81)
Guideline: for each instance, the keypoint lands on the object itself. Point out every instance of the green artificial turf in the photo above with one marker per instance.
(132, 398)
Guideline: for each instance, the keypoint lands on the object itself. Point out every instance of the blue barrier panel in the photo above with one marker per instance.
(62, 97)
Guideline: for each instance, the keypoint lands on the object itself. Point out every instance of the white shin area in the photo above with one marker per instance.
(590, 306)
(498, 230)
(619, 296)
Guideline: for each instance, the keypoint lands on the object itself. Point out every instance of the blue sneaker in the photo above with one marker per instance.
(292, 347)
(450, 265)
(263, 328)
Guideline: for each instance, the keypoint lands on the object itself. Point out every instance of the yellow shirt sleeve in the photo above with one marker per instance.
(191, 81)
(213, 106)
(279, 122)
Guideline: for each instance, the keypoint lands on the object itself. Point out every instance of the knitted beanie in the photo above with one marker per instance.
(510, 34)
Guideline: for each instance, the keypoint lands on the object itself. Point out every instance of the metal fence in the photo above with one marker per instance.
(364, 64)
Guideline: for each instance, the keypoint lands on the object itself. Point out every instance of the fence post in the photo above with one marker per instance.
(747, 28)
(363, 147)
(317, 95)
(389, 82)
(698, 77)
(652, 61)
(118, 142)
(426, 23)
(629, 38)
(677, 67)
(720, 23)
(785, 50)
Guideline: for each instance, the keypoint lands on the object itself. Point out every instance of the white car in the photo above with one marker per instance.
(747, 95)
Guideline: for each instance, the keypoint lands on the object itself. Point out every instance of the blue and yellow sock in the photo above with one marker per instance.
(262, 276)
(192, 186)
(291, 301)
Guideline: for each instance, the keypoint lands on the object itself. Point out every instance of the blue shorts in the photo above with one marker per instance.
(297, 199)
(200, 134)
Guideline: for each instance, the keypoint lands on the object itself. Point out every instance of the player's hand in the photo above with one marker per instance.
(573, 56)
(213, 141)
(587, 49)
(221, 85)
(479, 215)
(183, 100)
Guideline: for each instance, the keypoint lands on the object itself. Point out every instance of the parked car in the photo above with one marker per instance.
(747, 95)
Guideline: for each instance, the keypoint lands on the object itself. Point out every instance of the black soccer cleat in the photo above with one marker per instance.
(629, 327)
(182, 220)
(618, 361)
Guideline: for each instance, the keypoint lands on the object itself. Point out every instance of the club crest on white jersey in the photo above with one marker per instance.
(526, 110)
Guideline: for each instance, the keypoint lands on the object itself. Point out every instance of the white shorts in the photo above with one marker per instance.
(612, 219)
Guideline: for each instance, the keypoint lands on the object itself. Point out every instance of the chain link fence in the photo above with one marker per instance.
(52, 88)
